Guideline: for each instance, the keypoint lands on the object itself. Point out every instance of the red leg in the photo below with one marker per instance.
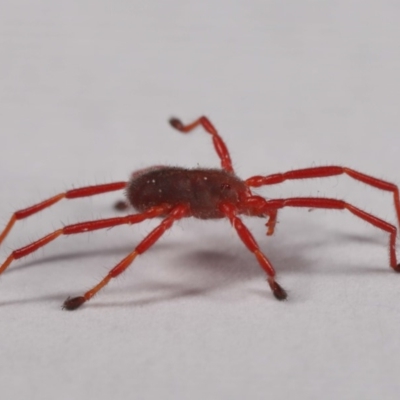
(316, 202)
(219, 144)
(70, 194)
(177, 213)
(321, 172)
(81, 228)
(248, 239)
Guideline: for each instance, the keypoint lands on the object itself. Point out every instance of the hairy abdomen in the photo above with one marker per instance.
(201, 189)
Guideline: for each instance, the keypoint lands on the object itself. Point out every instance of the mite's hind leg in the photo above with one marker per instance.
(70, 194)
(81, 227)
(177, 213)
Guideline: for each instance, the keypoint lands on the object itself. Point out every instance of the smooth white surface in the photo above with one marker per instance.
(86, 88)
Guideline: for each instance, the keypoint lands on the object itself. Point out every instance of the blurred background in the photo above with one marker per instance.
(86, 90)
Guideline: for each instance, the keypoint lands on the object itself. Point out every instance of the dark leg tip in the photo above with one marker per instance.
(176, 123)
(121, 205)
(74, 303)
(397, 268)
(277, 289)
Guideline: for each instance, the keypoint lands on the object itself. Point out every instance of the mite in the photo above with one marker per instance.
(172, 193)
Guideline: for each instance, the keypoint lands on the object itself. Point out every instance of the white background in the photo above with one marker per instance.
(86, 88)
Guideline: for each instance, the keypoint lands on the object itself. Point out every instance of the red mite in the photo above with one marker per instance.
(173, 193)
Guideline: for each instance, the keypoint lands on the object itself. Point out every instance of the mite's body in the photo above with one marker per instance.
(201, 190)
